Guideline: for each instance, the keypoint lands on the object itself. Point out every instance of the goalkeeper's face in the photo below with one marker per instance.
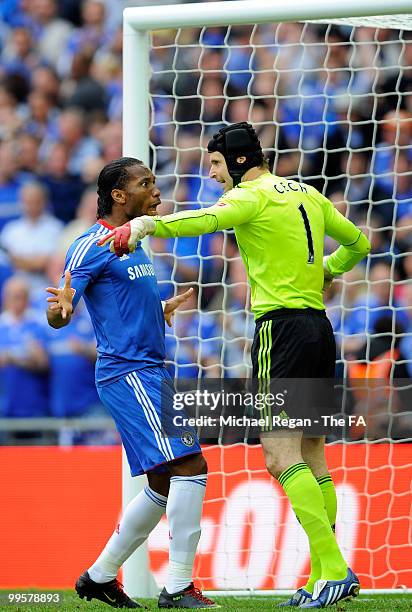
(140, 196)
(219, 172)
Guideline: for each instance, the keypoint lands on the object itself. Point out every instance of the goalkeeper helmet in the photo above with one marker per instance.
(237, 140)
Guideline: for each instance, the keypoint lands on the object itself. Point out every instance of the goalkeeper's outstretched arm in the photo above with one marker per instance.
(206, 221)
(223, 215)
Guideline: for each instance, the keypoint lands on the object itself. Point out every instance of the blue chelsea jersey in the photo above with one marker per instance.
(123, 301)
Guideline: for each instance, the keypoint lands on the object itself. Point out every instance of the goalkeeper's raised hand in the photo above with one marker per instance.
(123, 239)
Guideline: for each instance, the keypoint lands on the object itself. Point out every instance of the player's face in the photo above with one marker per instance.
(219, 172)
(142, 197)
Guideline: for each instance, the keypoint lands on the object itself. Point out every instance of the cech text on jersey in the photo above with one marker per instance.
(284, 186)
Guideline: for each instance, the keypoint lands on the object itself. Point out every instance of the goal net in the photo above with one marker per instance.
(331, 102)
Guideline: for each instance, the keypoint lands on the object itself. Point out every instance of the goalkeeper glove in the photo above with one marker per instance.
(123, 239)
(327, 275)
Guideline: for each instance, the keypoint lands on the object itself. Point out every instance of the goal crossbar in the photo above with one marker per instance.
(241, 12)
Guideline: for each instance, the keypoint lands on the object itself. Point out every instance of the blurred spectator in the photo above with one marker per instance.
(213, 102)
(356, 187)
(403, 186)
(51, 32)
(42, 122)
(240, 60)
(107, 70)
(403, 242)
(341, 297)
(400, 81)
(90, 36)
(8, 9)
(380, 238)
(163, 262)
(64, 189)
(237, 325)
(69, 10)
(72, 355)
(11, 115)
(6, 271)
(406, 339)
(23, 358)
(45, 81)
(352, 131)
(364, 198)
(29, 241)
(397, 201)
(396, 130)
(20, 54)
(85, 218)
(82, 90)
(10, 183)
(377, 363)
(72, 133)
(111, 139)
(195, 345)
(28, 155)
(378, 303)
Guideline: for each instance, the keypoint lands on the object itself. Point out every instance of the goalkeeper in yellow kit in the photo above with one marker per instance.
(280, 226)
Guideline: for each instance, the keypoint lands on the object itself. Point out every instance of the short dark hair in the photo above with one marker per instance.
(113, 176)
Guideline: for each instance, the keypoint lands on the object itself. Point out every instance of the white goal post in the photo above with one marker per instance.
(138, 23)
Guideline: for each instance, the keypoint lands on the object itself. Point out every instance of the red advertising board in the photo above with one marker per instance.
(60, 505)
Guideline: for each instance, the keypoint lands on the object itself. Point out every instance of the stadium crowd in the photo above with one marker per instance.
(335, 112)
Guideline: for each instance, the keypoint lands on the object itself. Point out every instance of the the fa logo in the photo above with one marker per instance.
(187, 439)
(357, 420)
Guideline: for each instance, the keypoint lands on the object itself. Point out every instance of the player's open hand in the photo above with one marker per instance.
(174, 303)
(62, 298)
(123, 239)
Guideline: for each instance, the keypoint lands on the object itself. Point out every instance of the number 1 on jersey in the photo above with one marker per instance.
(311, 253)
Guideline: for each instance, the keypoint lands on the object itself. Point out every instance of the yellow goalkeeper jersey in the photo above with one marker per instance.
(280, 227)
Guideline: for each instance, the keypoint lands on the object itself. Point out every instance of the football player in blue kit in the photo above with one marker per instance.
(122, 298)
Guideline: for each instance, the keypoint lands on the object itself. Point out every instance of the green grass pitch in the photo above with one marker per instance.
(70, 602)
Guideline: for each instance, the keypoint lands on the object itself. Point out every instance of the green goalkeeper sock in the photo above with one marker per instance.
(329, 497)
(308, 504)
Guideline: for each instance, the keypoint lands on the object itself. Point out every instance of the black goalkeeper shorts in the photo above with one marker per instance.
(293, 343)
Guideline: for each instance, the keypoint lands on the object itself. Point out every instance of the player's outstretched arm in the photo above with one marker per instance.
(60, 307)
